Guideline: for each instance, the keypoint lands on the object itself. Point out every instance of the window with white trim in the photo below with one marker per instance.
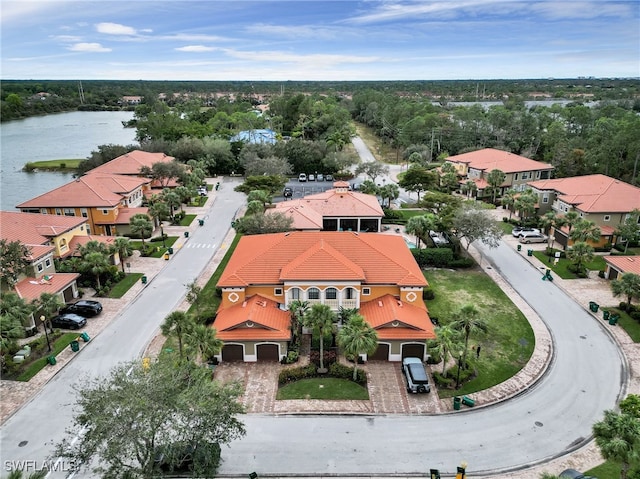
(607, 217)
(331, 293)
(105, 212)
(313, 293)
(84, 213)
(43, 211)
(69, 212)
(47, 262)
(366, 291)
(39, 267)
(350, 293)
(294, 293)
(277, 291)
(58, 211)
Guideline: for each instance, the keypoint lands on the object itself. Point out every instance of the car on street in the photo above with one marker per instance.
(416, 375)
(302, 177)
(288, 192)
(520, 230)
(533, 237)
(328, 177)
(68, 321)
(84, 307)
(320, 177)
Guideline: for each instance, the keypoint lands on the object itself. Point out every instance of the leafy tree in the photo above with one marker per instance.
(14, 261)
(420, 227)
(474, 223)
(254, 207)
(448, 178)
(372, 169)
(628, 285)
(357, 337)
(163, 172)
(389, 192)
(178, 324)
(629, 230)
(172, 199)
(579, 254)
(193, 295)
(618, 436)
(14, 314)
(468, 321)
(495, 178)
(418, 179)
(203, 338)
(447, 340)
(141, 226)
(297, 311)
(270, 222)
(368, 187)
(48, 305)
(95, 263)
(271, 183)
(127, 418)
(18, 474)
(320, 318)
(585, 230)
(631, 405)
(263, 196)
(525, 203)
(123, 247)
(271, 165)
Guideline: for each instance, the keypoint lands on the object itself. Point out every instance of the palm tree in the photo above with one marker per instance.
(48, 305)
(297, 309)
(14, 314)
(95, 263)
(193, 294)
(525, 203)
(579, 254)
(495, 178)
(17, 474)
(172, 200)
(447, 339)
(141, 226)
(468, 321)
(628, 285)
(569, 219)
(178, 324)
(509, 199)
(204, 340)
(549, 220)
(254, 207)
(420, 227)
(469, 187)
(320, 318)
(263, 196)
(357, 337)
(123, 247)
(584, 230)
(617, 436)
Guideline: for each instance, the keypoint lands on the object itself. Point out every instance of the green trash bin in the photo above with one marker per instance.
(613, 319)
(186, 234)
(85, 337)
(456, 403)
(467, 401)
(75, 346)
(519, 247)
(201, 222)
(529, 252)
(51, 360)
(170, 250)
(605, 314)
(593, 306)
(144, 280)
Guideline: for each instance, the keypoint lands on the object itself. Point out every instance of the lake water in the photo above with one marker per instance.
(52, 137)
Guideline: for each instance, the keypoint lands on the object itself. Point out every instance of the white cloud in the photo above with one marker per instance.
(296, 32)
(195, 49)
(285, 57)
(88, 47)
(115, 29)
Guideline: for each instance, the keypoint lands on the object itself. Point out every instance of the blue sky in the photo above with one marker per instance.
(318, 40)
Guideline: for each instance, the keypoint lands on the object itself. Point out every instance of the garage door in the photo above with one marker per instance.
(232, 352)
(268, 352)
(381, 354)
(413, 350)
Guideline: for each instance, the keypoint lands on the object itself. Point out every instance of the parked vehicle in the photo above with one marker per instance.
(320, 177)
(302, 177)
(311, 177)
(416, 375)
(328, 177)
(68, 321)
(203, 191)
(533, 237)
(288, 192)
(573, 474)
(437, 238)
(84, 307)
(520, 230)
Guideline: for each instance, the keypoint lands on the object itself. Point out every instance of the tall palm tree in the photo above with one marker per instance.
(570, 219)
(447, 340)
(95, 263)
(579, 254)
(297, 310)
(420, 227)
(617, 436)
(204, 340)
(585, 230)
(320, 318)
(193, 295)
(509, 199)
(141, 226)
(357, 337)
(123, 247)
(178, 324)
(468, 321)
(48, 305)
(628, 285)
(549, 220)
(495, 178)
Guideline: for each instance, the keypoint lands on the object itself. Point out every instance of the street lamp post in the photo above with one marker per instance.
(46, 333)
(459, 364)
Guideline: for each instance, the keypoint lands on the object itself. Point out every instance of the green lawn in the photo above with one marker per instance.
(159, 249)
(119, 290)
(509, 343)
(562, 268)
(187, 220)
(34, 368)
(606, 470)
(323, 388)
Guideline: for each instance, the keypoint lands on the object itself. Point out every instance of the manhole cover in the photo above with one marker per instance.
(23, 443)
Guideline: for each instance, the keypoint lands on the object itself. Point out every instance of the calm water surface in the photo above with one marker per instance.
(53, 137)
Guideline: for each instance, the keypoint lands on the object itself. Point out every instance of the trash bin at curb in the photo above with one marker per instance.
(85, 337)
(201, 222)
(613, 319)
(75, 346)
(186, 234)
(529, 252)
(605, 314)
(166, 256)
(519, 247)
(456, 403)
(51, 360)
(144, 280)
(467, 401)
(593, 306)
(170, 250)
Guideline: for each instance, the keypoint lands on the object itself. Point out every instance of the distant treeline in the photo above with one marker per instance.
(24, 98)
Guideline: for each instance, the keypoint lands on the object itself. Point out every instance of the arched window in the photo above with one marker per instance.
(313, 293)
(294, 294)
(350, 293)
(331, 293)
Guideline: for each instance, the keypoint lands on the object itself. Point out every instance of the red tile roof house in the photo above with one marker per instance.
(598, 198)
(476, 166)
(46, 236)
(107, 201)
(374, 272)
(337, 209)
(619, 265)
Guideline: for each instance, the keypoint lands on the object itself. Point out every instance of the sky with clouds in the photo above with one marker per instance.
(318, 40)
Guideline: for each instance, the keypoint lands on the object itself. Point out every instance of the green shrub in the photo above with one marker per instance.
(342, 371)
(436, 257)
(462, 263)
(428, 294)
(443, 382)
(295, 374)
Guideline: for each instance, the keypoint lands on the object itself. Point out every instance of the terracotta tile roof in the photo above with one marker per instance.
(263, 259)
(131, 163)
(78, 241)
(335, 203)
(33, 228)
(124, 216)
(625, 264)
(38, 251)
(490, 159)
(257, 318)
(88, 191)
(32, 288)
(593, 193)
(411, 322)
(304, 218)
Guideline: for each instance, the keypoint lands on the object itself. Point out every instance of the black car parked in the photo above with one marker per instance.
(86, 308)
(68, 321)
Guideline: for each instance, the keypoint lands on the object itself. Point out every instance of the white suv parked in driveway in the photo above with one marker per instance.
(416, 375)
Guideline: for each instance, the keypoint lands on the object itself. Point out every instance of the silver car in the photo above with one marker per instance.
(533, 237)
(416, 375)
